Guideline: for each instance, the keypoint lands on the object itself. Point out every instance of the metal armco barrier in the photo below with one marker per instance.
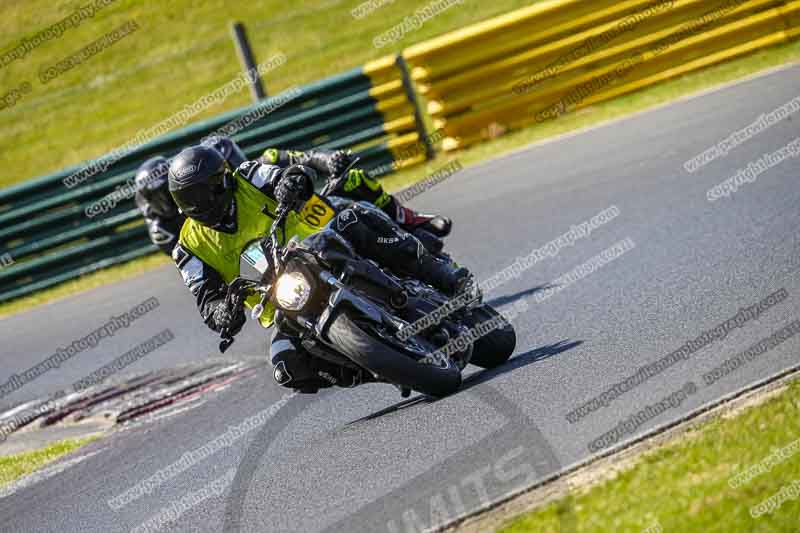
(44, 228)
(537, 63)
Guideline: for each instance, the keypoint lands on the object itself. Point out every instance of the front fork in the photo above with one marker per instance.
(341, 295)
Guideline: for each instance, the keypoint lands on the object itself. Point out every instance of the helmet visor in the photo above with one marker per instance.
(161, 203)
(203, 204)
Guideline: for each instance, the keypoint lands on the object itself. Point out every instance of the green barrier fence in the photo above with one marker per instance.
(46, 232)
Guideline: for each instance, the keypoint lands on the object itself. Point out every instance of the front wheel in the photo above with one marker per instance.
(389, 362)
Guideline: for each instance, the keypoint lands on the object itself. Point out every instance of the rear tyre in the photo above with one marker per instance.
(389, 362)
(494, 349)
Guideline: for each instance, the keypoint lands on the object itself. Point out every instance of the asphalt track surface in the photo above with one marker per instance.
(362, 460)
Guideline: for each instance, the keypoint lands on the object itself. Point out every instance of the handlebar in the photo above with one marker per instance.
(239, 287)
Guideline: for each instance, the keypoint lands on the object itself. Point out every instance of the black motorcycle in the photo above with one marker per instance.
(351, 311)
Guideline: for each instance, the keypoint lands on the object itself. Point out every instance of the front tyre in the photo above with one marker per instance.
(389, 362)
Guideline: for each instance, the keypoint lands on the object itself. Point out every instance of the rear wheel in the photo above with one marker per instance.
(389, 362)
(494, 349)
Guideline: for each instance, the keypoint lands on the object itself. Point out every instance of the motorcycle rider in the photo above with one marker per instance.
(164, 221)
(359, 186)
(153, 199)
(227, 209)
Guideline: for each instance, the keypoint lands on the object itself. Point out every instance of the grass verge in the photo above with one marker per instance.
(687, 485)
(14, 467)
(181, 52)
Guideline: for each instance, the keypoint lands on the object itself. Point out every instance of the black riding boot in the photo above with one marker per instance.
(378, 238)
(442, 273)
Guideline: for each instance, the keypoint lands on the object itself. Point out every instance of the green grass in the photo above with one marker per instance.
(683, 486)
(14, 467)
(182, 52)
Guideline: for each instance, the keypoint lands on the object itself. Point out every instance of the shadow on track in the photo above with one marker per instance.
(524, 359)
(503, 300)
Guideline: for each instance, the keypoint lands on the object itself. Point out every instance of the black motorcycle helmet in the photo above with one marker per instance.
(152, 189)
(201, 183)
(229, 150)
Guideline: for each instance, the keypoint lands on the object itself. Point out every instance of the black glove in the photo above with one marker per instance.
(338, 162)
(223, 317)
(296, 185)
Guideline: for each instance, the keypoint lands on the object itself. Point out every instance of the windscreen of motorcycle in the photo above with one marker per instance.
(252, 261)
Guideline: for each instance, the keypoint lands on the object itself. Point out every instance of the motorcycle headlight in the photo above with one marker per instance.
(292, 291)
